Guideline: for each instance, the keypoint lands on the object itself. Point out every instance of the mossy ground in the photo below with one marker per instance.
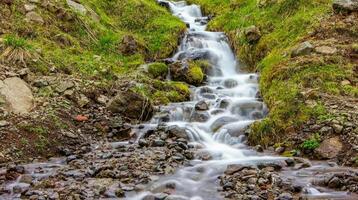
(290, 86)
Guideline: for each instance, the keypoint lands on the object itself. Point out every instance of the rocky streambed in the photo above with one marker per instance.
(190, 150)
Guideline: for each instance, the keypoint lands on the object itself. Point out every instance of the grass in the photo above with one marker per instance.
(81, 44)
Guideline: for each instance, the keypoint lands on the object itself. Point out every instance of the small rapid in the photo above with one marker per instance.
(233, 104)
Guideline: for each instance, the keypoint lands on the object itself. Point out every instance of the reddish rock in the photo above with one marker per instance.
(81, 118)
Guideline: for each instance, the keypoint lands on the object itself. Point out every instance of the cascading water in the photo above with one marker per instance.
(232, 106)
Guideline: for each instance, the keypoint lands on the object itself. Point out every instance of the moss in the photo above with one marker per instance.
(195, 74)
(158, 70)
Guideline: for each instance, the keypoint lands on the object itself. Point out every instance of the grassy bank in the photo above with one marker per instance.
(291, 86)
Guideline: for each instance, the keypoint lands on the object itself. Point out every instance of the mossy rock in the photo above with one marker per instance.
(158, 70)
(189, 72)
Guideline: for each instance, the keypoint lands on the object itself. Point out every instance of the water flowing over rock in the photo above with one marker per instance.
(17, 95)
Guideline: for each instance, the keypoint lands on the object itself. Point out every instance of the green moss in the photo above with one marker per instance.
(195, 74)
(158, 70)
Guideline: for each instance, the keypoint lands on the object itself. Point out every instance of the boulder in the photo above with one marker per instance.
(201, 106)
(345, 6)
(329, 148)
(131, 105)
(17, 95)
(302, 49)
(176, 131)
(252, 34)
(199, 116)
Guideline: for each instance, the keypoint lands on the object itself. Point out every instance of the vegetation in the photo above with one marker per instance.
(195, 74)
(158, 70)
(312, 143)
(111, 38)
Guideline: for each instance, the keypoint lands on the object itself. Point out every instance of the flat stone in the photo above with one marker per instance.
(326, 50)
(64, 85)
(17, 95)
(4, 123)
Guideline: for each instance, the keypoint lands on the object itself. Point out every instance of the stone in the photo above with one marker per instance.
(26, 178)
(302, 49)
(345, 6)
(337, 128)
(345, 82)
(129, 45)
(199, 116)
(77, 7)
(230, 83)
(176, 131)
(102, 99)
(329, 148)
(82, 101)
(252, 34)
(280, 150)
(220, 122)
(64, 85)
(131, 105)
(4, 123)
(202, 106)
(40, 83)
(34, 17)
(284, 196)
(81, 118)
(233, 168)
(29, 7)
(17, 95)
(326, 50)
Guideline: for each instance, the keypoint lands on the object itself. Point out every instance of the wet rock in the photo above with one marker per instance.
(131, 105)
(34, 17)
(176, 131)
(252, 34)
(230, 83)
(26, 178)
(17, 95)
(335, 182)
(199, 116)
(329, 148)
(284, 196)
(201, 106)
(224, 103)
(231, 169)
(302, 49)
(259, 148)
(158, 143)
(165, 4)
(204, 90)
(345, 5)
(143, 143)
(280, 150)
(217, 124)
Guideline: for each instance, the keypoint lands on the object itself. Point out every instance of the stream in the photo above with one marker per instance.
(214, 120)
(233, 104)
